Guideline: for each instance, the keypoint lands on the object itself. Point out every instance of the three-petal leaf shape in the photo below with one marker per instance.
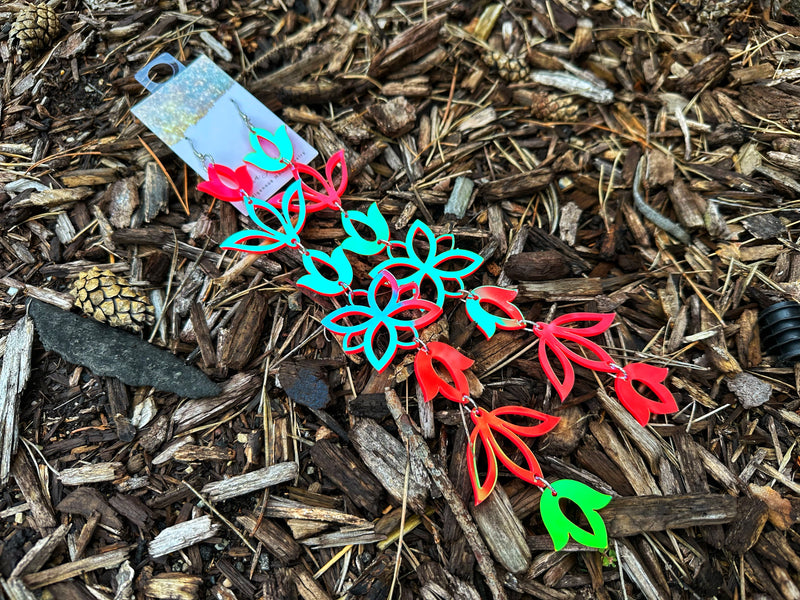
(357, 243)
(500, 298)
(337, 261)
(550, 336)
(560, 527)
(641, 406)
(372, 318)
(215, 186)
(330, 195)
(454, 363)
(485, 423)
(287, 234)
(429, 266)
(259, 158)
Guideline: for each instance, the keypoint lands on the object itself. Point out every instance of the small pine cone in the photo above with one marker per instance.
(509, 68)
(553, 107)
(35, 28)
(109, 299)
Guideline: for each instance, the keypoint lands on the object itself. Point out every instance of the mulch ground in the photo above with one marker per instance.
(632, 157)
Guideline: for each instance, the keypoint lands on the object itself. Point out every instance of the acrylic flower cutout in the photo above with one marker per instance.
(217, 187)
(336, 261)
(488, 422)
(639, 405)
(501, 299)
(371, 319)
(259, 157)
(550, 336)
(330, 195)
(272, 239)
(453, 362)
(558, 524)
(429, 264)
(357, 243)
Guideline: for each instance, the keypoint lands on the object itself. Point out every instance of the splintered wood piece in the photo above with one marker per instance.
(182, 536)
(239, 485)
(276, 541)
(203, 333)
(118, 400)
(349, 474)
(561, 290)
(544, 265)
(409, 45)
(13, 379)
(636, 514)
(36, 557)
(133, 509)
(346, 537)
(237, 389)
(173, 586)
(85, 536)
(282, 508)
(641, 437)
(155, 192)
(521, 184)
(503, 531)
(307, 586)
(388, 461)
(632, 565)
(106, 560)
(194, 453)
(85, 501)
(244, 338)
(96, 473)
(460, 197)
(16, 590)
(29, 483)
(630, 463)
(689, 206)
(746, 530)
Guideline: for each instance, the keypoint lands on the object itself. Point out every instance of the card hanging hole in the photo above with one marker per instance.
(158, 72)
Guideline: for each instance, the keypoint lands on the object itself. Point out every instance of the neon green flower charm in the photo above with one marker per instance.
(560, 527)
(259, 158)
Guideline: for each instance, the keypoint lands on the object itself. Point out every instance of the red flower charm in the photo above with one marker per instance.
(330, 196)
(240, 178)
(486, 422)
(550, 336)
(454, 363)
(640, 406)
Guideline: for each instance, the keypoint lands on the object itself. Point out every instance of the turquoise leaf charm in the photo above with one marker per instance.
(314, 280)
(375, 220)
(259, 158)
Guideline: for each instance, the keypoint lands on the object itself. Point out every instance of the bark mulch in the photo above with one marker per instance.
(632, 157)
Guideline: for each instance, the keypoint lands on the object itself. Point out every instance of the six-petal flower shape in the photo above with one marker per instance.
(371, 318)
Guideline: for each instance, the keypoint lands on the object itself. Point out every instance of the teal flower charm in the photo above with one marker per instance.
(375, 220)
(286, 235)
(337, 261)
(431, 265)
(501, 299)
(259, 158)
(371, 319)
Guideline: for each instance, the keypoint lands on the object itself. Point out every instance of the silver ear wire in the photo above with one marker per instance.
(243, 116)
(205, 159)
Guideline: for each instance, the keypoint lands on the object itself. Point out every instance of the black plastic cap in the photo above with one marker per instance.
(780, 330)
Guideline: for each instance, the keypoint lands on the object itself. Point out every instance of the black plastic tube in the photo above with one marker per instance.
(780, 330)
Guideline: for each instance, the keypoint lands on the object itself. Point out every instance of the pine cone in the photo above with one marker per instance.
(109, 299)
(510, 68)
(34, 28)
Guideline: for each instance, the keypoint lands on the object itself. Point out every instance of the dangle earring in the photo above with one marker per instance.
(280, 139)
(218, 175)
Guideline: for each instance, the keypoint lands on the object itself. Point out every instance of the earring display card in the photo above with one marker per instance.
(198, 112)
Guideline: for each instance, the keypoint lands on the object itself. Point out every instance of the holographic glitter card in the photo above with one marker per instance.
(196, 112)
